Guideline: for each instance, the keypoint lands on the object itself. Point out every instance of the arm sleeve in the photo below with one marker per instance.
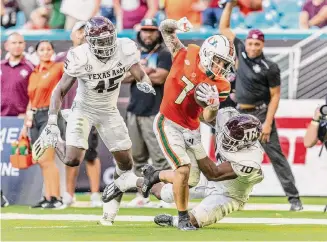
(164, 60)
(73, 65)
(239, 46)
(274, 76)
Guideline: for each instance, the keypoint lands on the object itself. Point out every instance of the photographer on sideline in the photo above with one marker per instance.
(317, 130)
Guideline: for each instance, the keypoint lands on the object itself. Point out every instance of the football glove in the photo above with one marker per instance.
(184, 25)
(49, 137)
(145, 87)
(209, 95)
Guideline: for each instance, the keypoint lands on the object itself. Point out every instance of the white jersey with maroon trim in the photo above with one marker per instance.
(99, 82)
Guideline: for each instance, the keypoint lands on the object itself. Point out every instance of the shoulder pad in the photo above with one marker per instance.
(75, 61)
(78, 55)
(128, 46)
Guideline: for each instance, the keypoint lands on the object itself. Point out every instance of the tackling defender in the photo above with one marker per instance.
(177, 125)
(99, 65)
(239, 156)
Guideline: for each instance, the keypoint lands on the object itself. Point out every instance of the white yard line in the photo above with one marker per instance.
(83, 217)
(249, 206)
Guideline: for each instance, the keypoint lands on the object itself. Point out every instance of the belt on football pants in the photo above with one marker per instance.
(35, 110)
(251, 108)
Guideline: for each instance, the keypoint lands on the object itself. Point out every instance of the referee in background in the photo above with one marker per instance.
(258, 93)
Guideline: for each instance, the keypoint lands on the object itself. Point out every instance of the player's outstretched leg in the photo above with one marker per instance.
(124, 176)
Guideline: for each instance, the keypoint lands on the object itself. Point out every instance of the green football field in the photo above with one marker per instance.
(20, 223)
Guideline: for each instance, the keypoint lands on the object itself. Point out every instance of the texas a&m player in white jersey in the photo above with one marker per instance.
(225, 186)
(99, 66)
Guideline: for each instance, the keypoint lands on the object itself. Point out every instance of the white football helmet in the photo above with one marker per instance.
(221, 47)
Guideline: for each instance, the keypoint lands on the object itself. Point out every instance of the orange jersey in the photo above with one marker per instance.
(178, 102)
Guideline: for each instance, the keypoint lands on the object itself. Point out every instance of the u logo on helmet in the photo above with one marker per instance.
(213, 41)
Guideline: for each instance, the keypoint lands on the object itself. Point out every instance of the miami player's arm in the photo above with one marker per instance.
(139, 74)
(224, 24)
(222, 172)
(65, 83)
(168, 31)
(211, 124)
(209, 115)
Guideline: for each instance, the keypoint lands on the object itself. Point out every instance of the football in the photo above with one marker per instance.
(201, 103)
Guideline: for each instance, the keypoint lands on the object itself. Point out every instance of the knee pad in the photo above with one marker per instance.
(91, 155)
(167, 194)
(72, 162)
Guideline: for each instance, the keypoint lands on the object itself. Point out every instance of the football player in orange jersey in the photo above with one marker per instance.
(177, 124)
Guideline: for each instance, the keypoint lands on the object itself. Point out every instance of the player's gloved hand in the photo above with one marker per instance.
(145, 87)
(184, 25)
(49, 137)
(209, 95)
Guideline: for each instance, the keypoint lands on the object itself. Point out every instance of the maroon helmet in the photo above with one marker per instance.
(101, 35)
(241, 131)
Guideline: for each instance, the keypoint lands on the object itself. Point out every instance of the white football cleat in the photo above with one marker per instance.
(105, 221)
(124, 182)
(110, 211)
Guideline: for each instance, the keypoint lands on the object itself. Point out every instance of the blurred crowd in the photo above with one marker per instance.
(127, 14)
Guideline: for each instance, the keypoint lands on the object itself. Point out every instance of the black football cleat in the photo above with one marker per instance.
(185, 225)
(110, 192)
(296, 204)
(164, 220)
(40, 203)
(148, 173)
(4, 201)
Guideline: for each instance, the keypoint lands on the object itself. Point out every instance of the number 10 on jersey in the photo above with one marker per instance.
(189, 86)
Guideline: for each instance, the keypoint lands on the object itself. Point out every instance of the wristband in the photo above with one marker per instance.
(314, 122)
(53, 119)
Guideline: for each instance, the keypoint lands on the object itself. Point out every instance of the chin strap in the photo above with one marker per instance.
(209, 73)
